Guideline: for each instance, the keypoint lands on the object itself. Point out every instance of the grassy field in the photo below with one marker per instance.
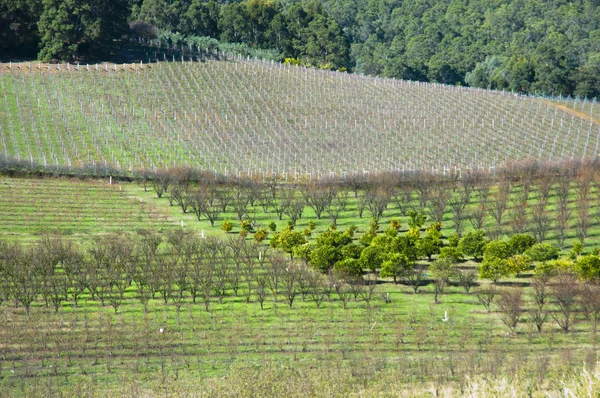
(406, 336)
(261, 117)
(405, 340)
(79, 209)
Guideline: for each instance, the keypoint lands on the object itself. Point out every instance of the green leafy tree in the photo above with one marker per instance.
(519, 243)
(497, 249)
(472, 244)
(395, 266)
(287, 239)
(372, 257)
(588, 266)
(350, 267)
(493, 268)
(542, 252)
(69, 28)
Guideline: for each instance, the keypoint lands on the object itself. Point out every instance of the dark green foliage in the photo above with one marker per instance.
(507, 45)
(18, 26)
(72, 27)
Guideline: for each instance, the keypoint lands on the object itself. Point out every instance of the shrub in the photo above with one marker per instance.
(472, 244)
(588, 267)
(349, 267)
(246, 225)
(260, 235)
(227, 226)
(519, 243)
(542, 252)
(272, 226)
(451, 253)
(497, 249)
(395, 223)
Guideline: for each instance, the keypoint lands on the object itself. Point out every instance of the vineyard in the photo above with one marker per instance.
(259, 117)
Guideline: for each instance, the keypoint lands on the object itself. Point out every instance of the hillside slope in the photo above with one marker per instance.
(262, 117)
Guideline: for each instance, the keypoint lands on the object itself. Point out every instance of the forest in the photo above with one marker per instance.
(525, 46)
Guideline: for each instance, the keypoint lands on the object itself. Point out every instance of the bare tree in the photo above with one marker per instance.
(376, 201)
(289, 279)
(486, 296)
(500, 204)
(403, 196)
(563, 212)
(438, 201)
(510, 304)
(540, 295)
(341, 286)
(339, 201)
(564, 291)
(370, 287)
(161, 181)
(240, 197)
(318, 287)
(458, 206)
(318, 195)
(293, 207)
(590, 303)
(466, 278)
(582, 200)
(518, 215)
(541, 220)
(414, 276)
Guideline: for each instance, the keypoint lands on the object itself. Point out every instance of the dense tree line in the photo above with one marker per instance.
(527, 46)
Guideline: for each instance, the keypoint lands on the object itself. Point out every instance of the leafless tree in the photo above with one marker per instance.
(582, 201)
(370, 287)
(290, 278)
(540, 295)
(563, 212)
(161, 181)
(564, 292)
(340, 284)
(466, 278)
(318, 195)
(240, 197)
(519, 221)
(403, 196)
(486, 296)
(500, 204)
(339, 202)
(293, 207)
(589, 301)
(438, 201)
(414, 276)
(510, 304)
(376, 201)
(318, 287)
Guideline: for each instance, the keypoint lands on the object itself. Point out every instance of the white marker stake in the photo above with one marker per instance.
(110, 180)
(181, 223)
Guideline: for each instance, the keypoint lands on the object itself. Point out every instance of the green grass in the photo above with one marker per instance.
(406, 337)
(79, 209)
